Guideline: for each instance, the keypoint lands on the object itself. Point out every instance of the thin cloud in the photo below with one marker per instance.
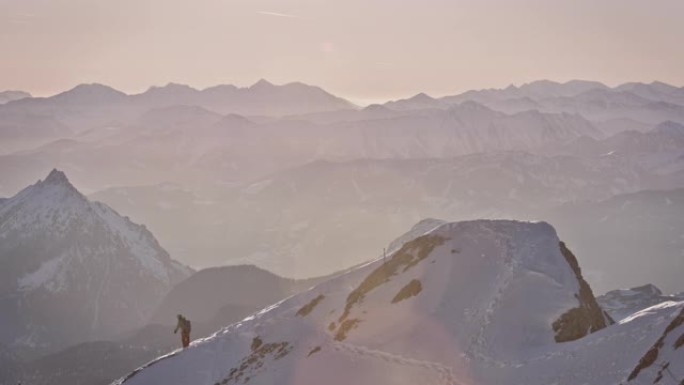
(277, 14)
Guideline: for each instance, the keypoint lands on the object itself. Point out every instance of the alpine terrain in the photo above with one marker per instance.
(72, 270)
(476, 302)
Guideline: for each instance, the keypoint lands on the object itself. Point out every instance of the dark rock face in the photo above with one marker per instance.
(588, 317)
(411, 289)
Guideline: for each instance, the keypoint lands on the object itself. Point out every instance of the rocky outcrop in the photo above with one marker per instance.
(411, 289)
(588, 317)
(653, 354)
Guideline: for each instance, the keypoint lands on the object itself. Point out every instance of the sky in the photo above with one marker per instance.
(364, 50)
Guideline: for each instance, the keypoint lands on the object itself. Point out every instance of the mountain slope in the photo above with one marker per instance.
(468, 303)
(74, 270)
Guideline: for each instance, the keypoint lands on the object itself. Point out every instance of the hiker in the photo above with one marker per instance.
(185, 327)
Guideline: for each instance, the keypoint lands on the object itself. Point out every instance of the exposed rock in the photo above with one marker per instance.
(345, 327)
(314, 351)
(652, 354)
(582, 320)
(408, 256)
(411, 289)
(252, 363)
(306, 309)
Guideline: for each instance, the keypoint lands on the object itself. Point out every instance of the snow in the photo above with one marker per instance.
(490, 292)
(53, 208)
(142, 246)
(48, 274)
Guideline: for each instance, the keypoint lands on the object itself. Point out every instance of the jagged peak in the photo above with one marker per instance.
(56, 177)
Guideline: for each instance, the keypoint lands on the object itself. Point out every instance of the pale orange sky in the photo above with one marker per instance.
(365, 50)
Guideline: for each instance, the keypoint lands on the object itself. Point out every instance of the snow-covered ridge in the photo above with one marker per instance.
(467, 303)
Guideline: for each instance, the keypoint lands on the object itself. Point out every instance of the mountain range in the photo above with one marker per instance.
(300, 182)
(286, 221)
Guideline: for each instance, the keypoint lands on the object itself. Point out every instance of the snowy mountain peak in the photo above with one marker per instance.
(61, 251)
(54, 197)
(57, 177)
(474, 302)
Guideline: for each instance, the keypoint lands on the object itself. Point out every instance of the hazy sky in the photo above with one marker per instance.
(366, 50)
